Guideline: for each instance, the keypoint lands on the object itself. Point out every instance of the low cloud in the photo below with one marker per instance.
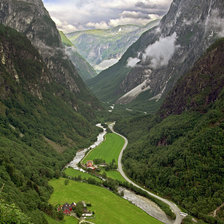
(134, 14)
(161, 51)
(100, 25)
(132, 62)
(64, 26)
(216, 23)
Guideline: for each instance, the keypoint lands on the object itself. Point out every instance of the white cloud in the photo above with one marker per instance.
(132, 62)
(64, 26)
(101, 25)
(79, 13)
(216, 23)
(161, 51)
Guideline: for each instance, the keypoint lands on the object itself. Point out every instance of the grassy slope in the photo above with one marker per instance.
(67, 220)
(75, 173)
(108, 207)
(108, 150)
(65, 40)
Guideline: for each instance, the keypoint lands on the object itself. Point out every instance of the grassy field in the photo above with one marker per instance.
(67, 220)
(107, 150)
(108, 207)
(75, 173)
(114, 175)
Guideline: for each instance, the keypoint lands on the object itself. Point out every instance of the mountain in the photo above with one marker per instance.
(31, 18)
(103, 48)
(152, 65)
(84, 69)
(179, 151)
(46, 111)
(40, 130)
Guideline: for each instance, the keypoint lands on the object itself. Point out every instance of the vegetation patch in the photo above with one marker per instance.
(108, 150)
(109, 208)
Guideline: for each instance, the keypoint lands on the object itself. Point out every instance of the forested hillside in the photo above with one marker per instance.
(40, 128)
(179, 152)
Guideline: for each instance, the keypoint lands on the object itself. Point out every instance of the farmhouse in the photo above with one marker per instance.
(67, 208)
(90, 165)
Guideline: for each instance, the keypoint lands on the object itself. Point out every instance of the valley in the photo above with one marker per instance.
(155, 69)
(109, 151)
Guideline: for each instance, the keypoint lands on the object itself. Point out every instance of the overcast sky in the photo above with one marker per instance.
(72, 15)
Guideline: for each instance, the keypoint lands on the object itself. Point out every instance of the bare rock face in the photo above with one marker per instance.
(163, 54)
(170, 51)
(31, 18)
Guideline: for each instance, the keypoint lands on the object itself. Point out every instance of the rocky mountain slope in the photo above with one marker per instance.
(31, 18)
(46, 111)
(84, 69)
(40, 129)
(180, 151)
(151, 66)
(103, 48)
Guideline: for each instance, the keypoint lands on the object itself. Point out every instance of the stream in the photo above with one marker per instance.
(81, 154)
(143, 203)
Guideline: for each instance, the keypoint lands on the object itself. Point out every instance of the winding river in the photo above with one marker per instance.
(145, 204)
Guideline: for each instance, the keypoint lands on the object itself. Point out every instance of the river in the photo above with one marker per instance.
(143, 203)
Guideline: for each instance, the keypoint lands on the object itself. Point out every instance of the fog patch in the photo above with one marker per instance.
(161, 51)
(132, 62)
(216, 23)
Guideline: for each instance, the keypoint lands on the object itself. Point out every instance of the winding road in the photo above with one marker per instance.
(179, 215)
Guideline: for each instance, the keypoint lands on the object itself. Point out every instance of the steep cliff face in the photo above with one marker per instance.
(162, 55)
(32, 19)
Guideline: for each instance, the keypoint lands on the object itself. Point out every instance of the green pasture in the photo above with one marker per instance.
(108, 207)
(75, 173)
(108, 150)
(67, 220)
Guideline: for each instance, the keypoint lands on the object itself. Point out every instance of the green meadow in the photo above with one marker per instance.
(114, 174)
(67, 220)
(108, 149)
(108, 207)
(76, 173)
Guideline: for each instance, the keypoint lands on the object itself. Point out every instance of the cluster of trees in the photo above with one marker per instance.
(181, 157)
(179, 152)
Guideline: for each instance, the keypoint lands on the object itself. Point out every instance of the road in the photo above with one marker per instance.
(173, 206)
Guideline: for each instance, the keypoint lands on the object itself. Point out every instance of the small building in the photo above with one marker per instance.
(67, 208)
(90, 165)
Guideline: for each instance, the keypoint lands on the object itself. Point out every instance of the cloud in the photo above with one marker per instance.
(132, 62)
(81, 14)
(64, 26)
(100, 25)
(216, 23)
(161, 51)
(134, 14)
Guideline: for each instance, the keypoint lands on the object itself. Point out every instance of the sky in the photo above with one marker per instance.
(73, 15)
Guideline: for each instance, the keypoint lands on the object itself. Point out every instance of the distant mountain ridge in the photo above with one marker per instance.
(84, 69)
(152, 65)
(103, 48)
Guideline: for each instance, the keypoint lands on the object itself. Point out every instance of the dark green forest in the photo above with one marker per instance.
(40, 130)
(179, 152)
